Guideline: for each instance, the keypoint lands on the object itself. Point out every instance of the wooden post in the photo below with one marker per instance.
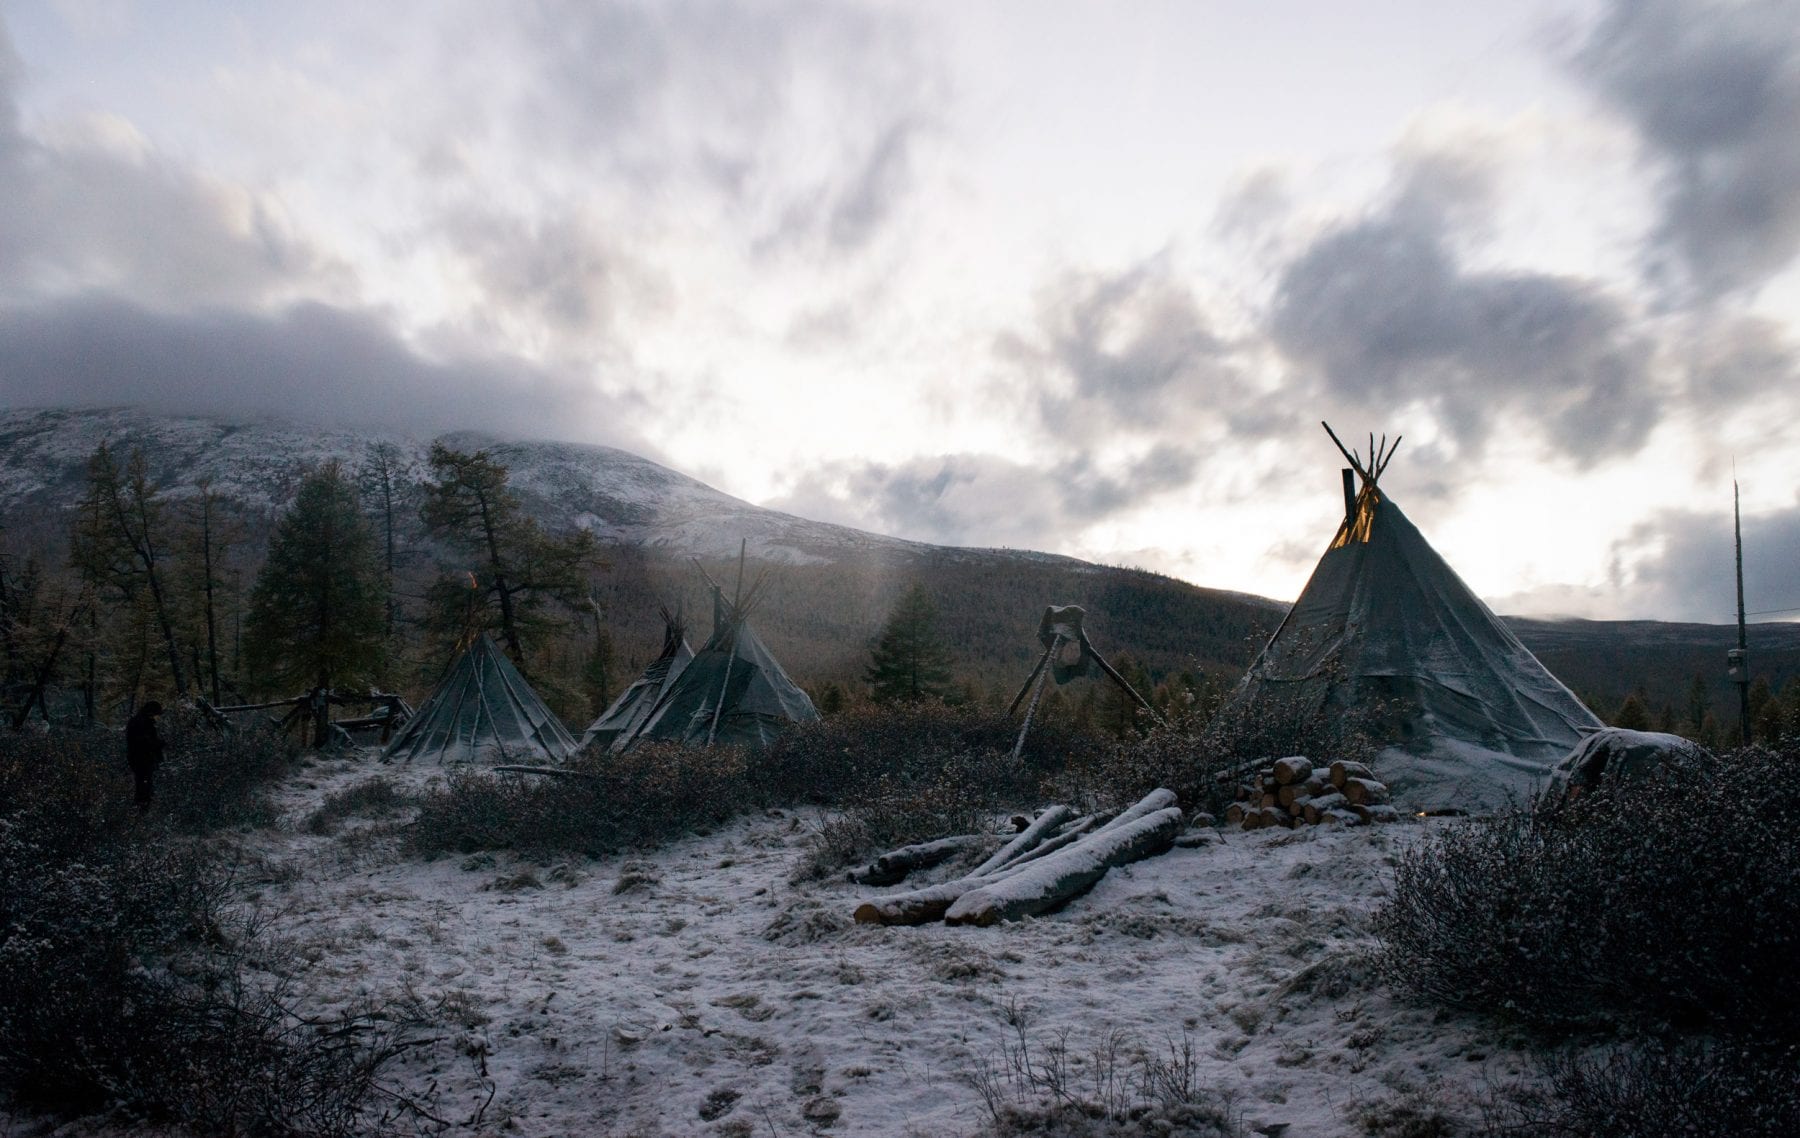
(1349, 496)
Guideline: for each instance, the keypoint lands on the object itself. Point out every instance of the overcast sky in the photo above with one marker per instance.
(1075, 277)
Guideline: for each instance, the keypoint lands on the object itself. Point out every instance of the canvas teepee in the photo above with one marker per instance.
(1475, 721)
(619, 722)
(733, 691)
(483, 711)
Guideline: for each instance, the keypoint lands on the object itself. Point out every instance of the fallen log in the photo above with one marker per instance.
(1068, 836)
(1365, 792)
(892, 867)
(1055, 879)
(1159, 799)
(918, 907)
(1317, 806)
(1377, 813)
(1291, 770)
(1343, 770)
(1031, 836)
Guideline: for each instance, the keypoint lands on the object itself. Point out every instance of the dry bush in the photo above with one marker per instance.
(900, 768)
(1116, 1088)
(602, 804)
(127, 981)
(1658, 1089)
(1667, 902)
(371, 798)
(213, 777)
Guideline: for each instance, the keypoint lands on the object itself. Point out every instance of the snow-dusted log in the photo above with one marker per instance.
(1067, 836)
(1291, 770)
(892, 867)
(917, 907)
(1365, 791)
(1031, 836)
(1342, 771)
(1376, 813)
(1159, 799)
(1317, 806)
(1052, 880)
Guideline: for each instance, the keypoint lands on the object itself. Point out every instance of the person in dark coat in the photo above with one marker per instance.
(144, 751)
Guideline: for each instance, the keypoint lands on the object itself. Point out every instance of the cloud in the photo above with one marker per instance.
(1712, 88)
(559, 269)
(982, 499)
(805, 118)
(1119, 354)
(311, 361)
(97, 207)
(1384, 314)
(1679, 565)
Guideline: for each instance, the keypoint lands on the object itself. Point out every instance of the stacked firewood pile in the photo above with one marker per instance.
(1293, 792)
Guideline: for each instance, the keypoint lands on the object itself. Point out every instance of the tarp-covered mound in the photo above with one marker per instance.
(483, 711)
(1475, 719)
(1614, 755)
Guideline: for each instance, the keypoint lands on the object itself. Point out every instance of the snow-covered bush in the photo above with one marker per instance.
(1666, 902)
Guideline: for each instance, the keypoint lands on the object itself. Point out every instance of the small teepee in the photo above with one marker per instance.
(1476, 721)
(620, 721)
(733, 691)
(483, 711)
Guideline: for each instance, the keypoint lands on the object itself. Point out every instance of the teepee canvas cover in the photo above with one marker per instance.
(1478, 720)
(483, 711)
(621, 720)
(733, 691)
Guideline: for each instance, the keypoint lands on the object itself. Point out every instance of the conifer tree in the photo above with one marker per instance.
(518, 567)
(316, 612)
(909, 661)
(118, 543)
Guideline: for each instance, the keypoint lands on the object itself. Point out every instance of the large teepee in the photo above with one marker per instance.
(619, 722)
(733, 691)
(483, 711)
(1475, 718)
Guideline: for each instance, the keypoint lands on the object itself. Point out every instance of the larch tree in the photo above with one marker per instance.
(518, 568)
(909, 661)
(118, 539)
(316, 613)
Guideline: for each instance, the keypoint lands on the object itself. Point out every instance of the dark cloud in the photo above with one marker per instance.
(1385, 315)
(558, 267)
(310, 362)
(84, 214)
(1122, 352)
(980, 499)
(1679, 565)
(1713, 90)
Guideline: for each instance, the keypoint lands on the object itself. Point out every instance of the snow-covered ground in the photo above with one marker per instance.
(697, 990)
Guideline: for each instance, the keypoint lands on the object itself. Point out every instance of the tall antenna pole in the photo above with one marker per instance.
(1740, 663)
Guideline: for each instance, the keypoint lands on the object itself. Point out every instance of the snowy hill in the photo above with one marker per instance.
(621, 497)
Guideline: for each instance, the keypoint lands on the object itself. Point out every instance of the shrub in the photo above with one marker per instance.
(125, 977)
(1659, 1089)
(907, 770)
(370, 798)
(213, 778)
(1667, 902)
(600, 804)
